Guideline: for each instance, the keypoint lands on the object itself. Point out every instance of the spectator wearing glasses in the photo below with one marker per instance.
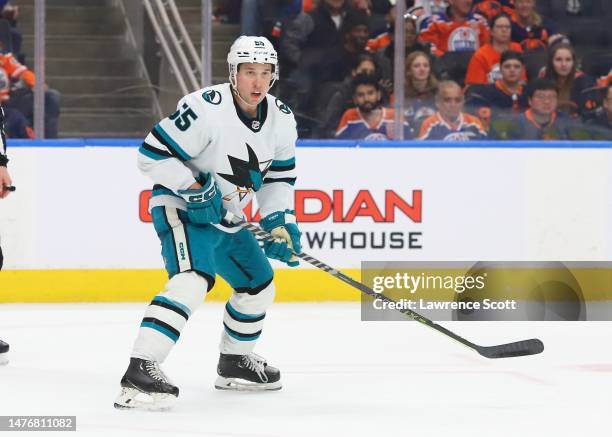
(541, 121)
(484, 66)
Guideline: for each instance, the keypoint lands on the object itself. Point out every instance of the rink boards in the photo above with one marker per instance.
(77, 228)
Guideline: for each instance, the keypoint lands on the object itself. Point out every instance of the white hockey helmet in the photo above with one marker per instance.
(252, 49)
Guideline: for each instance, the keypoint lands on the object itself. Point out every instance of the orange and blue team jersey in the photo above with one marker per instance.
(466, 128)
(12, 71)
(497, 96)
(353, 126)
(484, 66)
(448, 35)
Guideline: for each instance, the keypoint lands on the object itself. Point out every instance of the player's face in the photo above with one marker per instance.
(524, 8)
(544, 102)
(563, 62)
(367, 98)
(501, 31)
(511, 71)
(420, 68)
(253, 82)
(462, 6)
(450, 102)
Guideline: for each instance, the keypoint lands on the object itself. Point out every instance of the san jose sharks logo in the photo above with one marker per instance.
(247, 175)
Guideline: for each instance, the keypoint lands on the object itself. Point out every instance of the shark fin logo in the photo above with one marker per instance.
(246, 175)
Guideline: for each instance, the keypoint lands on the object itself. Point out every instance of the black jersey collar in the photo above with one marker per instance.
(255, 124)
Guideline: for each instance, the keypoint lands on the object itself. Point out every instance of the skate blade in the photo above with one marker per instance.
(3, 360)
(242, 385)
(133, 399)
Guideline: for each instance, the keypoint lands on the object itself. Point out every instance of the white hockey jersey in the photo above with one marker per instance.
(209, 133)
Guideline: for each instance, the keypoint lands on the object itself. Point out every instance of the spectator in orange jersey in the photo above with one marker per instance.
(457, 30)
(562, 69)
(450, 123)
(369, 120)
(16, 97)
(529, 29)
(484, 65)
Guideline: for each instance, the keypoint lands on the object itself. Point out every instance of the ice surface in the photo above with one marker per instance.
(342, 377)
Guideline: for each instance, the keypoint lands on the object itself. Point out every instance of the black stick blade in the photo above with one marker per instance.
(516, 349)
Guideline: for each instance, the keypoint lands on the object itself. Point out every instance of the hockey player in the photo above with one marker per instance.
(5, 183)
(223, 145)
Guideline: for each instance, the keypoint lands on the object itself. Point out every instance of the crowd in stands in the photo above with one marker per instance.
(17, 82)
(474, 69)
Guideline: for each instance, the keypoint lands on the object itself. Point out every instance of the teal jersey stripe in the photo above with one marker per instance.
(174, 304)
(172, 143)
(239, 315)
(242, 338)
(283, 163)
(150, 154)
(161, 329)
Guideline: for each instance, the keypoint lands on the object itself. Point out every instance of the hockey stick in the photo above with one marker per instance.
(516, 349)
